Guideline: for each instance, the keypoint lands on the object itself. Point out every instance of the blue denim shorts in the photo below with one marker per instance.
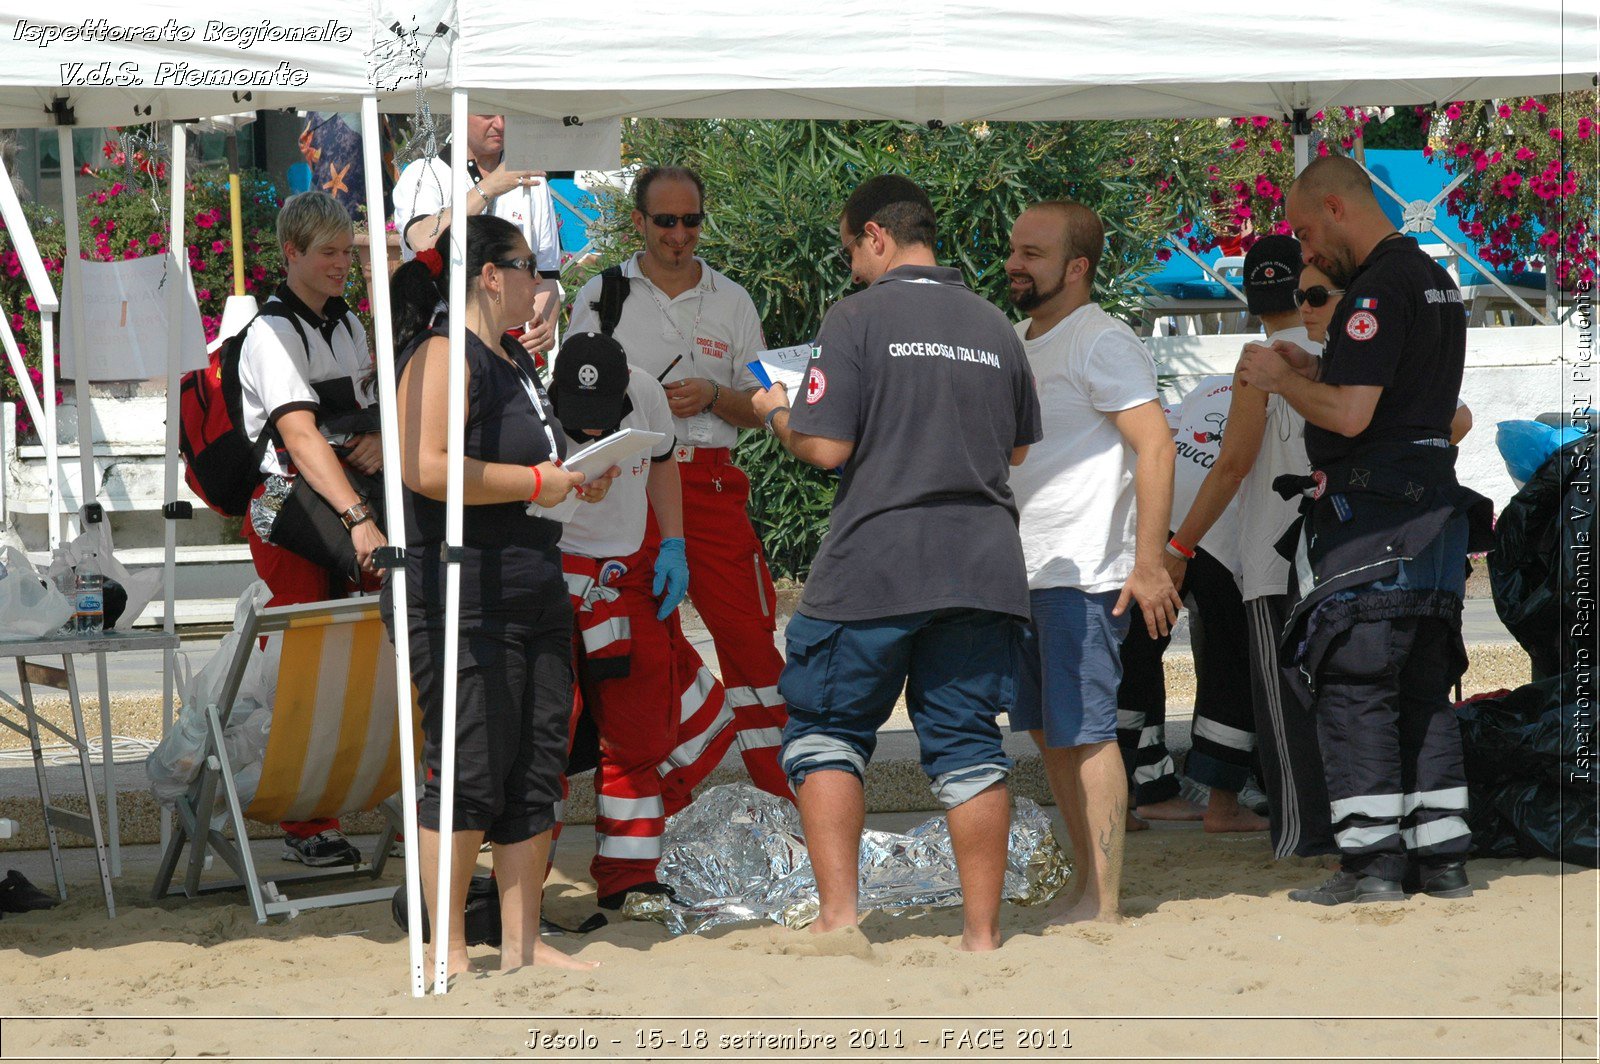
(1071, 667)
(958, 668)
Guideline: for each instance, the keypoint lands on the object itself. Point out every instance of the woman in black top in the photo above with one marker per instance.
(515, 676)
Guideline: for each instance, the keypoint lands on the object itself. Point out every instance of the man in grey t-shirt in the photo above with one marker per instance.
(921, 391)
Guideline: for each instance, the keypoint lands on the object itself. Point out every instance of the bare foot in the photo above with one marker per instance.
(1224, 813)
(1086, 910)
(1135, 824)
(824, 925)
(972, 942)
(545, 956)
(1178, 808)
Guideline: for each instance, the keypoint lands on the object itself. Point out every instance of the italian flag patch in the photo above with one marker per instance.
(1367, 304)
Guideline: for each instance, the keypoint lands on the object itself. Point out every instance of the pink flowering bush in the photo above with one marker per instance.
(119, 218)
(1531, 185)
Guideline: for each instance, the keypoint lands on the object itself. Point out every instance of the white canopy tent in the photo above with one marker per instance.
(1014, 60)
(869, 59)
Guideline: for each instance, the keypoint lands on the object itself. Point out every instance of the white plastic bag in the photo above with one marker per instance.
(30, 605)
(175, 763)
(95, 544)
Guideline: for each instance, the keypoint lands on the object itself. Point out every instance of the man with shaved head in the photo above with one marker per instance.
(1095, 497)
(1380, 554)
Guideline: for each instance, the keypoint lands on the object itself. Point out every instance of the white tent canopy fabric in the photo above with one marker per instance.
(1014, 59)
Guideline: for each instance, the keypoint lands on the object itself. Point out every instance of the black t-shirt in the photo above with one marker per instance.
(512, 560)
(932, 385)
(1401, 326)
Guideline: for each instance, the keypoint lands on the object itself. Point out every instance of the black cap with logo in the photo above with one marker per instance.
(1271, 274)
(590, 386)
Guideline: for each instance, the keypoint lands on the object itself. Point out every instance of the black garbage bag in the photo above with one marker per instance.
(1543, 543)
(1530, 772)
(483, 911)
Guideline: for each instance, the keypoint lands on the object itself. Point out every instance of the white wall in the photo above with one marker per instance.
(1512, 373)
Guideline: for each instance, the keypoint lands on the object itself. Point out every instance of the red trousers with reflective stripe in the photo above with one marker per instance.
(732, 591)
(663, 727)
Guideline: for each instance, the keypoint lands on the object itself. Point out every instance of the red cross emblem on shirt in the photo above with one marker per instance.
(816, 385)
(683, 454)
(1362, 325)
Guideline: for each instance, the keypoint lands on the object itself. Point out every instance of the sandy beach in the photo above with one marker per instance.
(1212, 962)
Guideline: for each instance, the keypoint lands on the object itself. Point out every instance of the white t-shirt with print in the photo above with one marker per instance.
(1202, 422)
(277, 373)
(1075, 490)
(423, 188)
(614, 526)
(713, 326)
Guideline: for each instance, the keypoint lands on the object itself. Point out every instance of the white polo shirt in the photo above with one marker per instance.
(424, 188)
(713, 325)
(1202, 421)
(614, 526)
(278, 374)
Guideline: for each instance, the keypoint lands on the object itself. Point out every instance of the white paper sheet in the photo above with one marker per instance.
(783, 365)
(616, 448)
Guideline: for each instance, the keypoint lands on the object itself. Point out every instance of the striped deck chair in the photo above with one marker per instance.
(334, 748)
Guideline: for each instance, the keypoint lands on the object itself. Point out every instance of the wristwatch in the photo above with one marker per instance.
(771, 414)
(355, 515)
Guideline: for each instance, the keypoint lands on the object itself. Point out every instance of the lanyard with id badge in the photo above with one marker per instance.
(563, 510)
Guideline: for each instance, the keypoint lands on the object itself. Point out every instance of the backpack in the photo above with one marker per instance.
(222, 465)
(613, 293)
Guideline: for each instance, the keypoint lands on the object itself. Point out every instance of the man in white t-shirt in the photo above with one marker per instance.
(663, 719)
(1266, 440)
(302, 368)
(422, 198)
(697, 332)
(1094, 498)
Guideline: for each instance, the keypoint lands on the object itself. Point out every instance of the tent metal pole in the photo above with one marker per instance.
(394, 507)
(178, 291)
(456, 427)
(83, 404)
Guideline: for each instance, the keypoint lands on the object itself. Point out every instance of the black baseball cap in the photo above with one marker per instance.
(590, 385)
(1271, 274)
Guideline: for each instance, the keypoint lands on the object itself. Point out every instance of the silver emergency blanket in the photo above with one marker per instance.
(738, 854)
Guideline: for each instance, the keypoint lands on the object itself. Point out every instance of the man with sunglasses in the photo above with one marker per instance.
(422, 198)
(1380, 559)
(697, 332)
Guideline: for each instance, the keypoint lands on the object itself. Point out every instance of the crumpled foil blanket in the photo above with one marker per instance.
(738, 854)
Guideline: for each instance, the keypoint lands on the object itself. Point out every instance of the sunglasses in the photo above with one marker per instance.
(846, 252)
(1317, 295)
(530, 266)
(692, 220)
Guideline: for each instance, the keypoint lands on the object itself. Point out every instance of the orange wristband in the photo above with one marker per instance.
(538, 484)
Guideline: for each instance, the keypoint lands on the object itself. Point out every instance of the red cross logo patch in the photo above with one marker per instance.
(683, 454)
(816, 386)
(1361, 326)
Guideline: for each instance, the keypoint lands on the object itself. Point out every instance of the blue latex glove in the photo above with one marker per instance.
(672, 576)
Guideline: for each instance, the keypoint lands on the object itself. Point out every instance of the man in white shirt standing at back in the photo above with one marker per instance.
(422, 198)
(696, 331)
(1095, 496)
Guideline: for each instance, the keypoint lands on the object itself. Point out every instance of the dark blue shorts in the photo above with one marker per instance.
(958, 668)
(1071, 666)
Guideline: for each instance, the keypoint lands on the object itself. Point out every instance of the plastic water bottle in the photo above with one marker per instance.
(89, 591)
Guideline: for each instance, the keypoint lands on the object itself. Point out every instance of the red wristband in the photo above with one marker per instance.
(538, 483)
(1180, 548)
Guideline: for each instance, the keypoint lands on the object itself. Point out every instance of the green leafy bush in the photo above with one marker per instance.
(773, 195)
